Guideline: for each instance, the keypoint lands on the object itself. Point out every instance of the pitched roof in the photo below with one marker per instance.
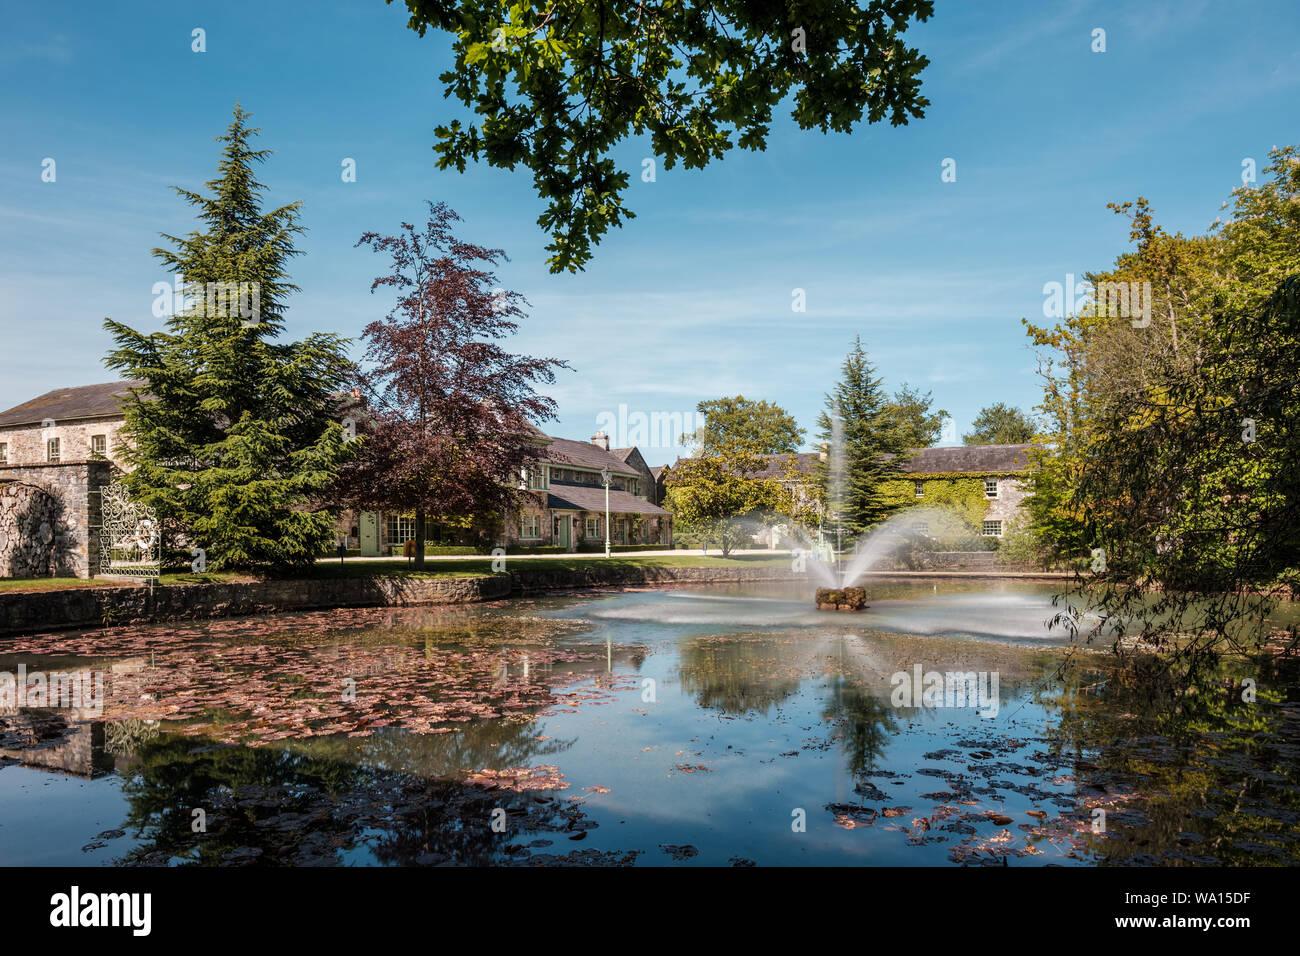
(583, 454)
(622, 453)
(656, 471)
(63, 404)
(959, 459)
(584, 498)
(969, 459)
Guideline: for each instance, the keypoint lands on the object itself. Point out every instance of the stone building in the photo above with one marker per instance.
(999, 468)
(65, 425)
(56, 451)
(562, 503)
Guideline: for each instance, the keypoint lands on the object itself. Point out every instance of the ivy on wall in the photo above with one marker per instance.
(963, 497)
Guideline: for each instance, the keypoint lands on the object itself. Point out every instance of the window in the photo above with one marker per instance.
(537, 477)
(992, 529)
(52, 450)
(990, 487)
(921, 527)
(530, 526)
(593, 528)
(401, 528)
(4, 453)
(98, 445)
(918, 489)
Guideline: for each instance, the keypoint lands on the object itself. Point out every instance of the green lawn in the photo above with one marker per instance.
(400, 567)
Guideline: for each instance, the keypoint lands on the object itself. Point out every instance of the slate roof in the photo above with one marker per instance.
(959, 459)
(970, 459)
(622, 453)
(583, 454)
(68, 404)
(583, 498)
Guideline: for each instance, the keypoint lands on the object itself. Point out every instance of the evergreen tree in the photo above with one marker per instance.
(868, 446)
(232, 435)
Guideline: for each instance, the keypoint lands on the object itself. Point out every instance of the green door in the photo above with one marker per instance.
(369, 534)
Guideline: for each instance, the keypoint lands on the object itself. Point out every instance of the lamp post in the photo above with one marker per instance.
(604, 479)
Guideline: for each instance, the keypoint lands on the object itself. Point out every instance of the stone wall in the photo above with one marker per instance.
(948, 561)
(53, 518)
(1006, 506)
(35, 611)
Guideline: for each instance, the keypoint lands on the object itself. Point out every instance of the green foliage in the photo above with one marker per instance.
(1172, 448)
(739, 425)
(963, 498)
(232, 436)
(557, 85)
(719, 498)
(854, 499)
(1000, 424)
(909, 421)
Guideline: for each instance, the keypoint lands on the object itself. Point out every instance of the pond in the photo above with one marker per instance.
(703, 726)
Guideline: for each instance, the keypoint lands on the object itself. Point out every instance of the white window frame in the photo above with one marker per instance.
(539, 478)
(986, 533)
(398, 529)
(102, 451)
(918, 488)
(4, 453)
(589, 525)
(52, 450)
(990, 493)
(530, 525)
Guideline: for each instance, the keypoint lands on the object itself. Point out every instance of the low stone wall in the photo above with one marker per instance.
(31, 611)
(949, 561)
(34, 611)
(65, 609)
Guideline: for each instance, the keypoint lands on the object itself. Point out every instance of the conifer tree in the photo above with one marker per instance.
(867, 435)
(232, 435)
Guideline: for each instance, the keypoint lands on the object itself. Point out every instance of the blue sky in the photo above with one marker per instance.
(692, 299)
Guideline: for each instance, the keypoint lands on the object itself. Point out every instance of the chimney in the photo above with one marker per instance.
(601, 441)
(356, 393)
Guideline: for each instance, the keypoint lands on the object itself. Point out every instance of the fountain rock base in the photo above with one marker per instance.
(841, 599)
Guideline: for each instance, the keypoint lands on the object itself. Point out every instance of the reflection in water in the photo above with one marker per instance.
(535, 715)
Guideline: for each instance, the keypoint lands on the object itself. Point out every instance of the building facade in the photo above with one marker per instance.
(562, 504)
(985, 484)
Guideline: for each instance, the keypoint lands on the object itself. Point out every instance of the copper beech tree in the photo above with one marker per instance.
(448, 425)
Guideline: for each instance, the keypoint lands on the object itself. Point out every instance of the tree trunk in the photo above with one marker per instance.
(419, 538)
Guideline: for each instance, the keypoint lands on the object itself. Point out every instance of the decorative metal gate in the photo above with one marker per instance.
(130, 539)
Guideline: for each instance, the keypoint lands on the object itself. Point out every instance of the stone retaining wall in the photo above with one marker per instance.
(34, 611)
(950, 561)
